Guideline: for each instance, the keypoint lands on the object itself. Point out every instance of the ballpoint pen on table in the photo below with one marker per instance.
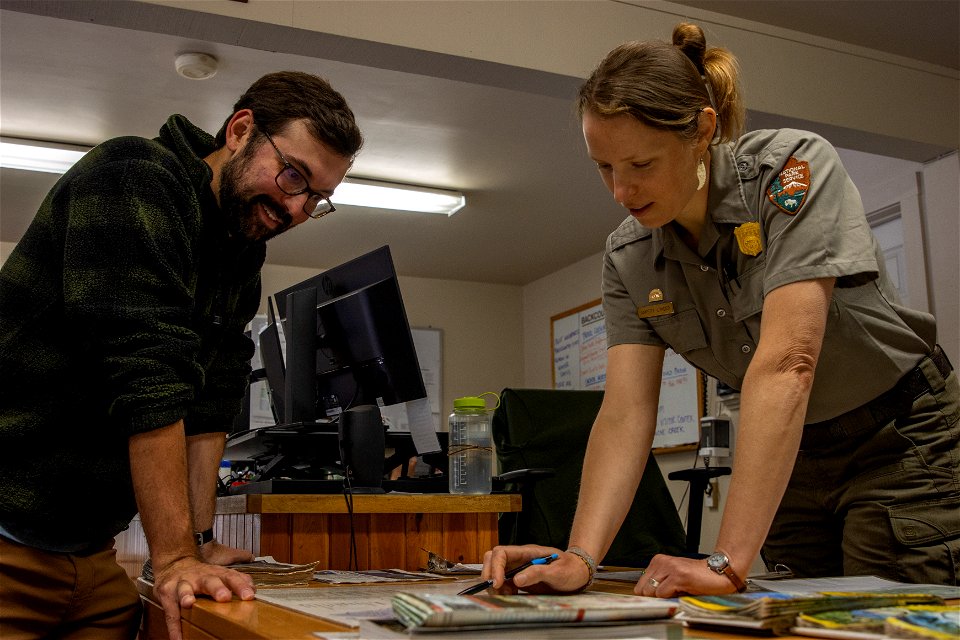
(477, 588)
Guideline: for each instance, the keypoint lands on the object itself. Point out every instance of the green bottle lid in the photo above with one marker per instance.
(469, 402)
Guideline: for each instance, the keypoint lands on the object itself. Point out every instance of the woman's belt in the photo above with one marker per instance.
(879, 411)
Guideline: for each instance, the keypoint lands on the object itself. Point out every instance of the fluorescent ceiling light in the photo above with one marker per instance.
(361, 192)
(56, 158)
(33, 156)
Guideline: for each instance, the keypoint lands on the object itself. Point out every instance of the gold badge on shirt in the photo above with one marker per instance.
(657, 306)
(748, 238)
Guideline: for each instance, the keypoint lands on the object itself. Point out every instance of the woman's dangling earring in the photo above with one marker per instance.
(701, 174)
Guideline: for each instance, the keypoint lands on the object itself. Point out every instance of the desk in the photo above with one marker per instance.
(209, 620)
(391, 530)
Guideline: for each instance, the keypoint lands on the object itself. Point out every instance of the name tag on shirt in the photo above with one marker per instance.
(655, 310)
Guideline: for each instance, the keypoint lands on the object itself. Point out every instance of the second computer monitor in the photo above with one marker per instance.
(348, 341)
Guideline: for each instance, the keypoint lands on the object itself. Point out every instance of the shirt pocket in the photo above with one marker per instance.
(683, 331)
(747, 300)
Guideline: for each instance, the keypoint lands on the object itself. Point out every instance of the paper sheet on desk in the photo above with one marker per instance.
(348, 605)
(416, 417)
(422, 430)
(344, 605)
(859, 584)
(371, 576)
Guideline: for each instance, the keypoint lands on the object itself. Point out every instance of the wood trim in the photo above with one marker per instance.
(389, 503)
(209, 620)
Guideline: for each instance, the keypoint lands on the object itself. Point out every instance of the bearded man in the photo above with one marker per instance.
(123, 358)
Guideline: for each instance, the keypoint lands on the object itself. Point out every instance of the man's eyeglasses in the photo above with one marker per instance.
(292, 183)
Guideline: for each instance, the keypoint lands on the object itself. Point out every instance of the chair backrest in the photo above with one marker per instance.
(546, 428)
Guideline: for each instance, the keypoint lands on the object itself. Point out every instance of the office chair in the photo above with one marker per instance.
(546, 430)
(699, 478)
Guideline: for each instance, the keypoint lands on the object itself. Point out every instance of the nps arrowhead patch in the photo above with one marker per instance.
(789, 190)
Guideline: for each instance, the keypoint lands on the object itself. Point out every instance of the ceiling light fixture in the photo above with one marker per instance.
(362, 192)
(48, 157)
(38, 156)
(196, 66)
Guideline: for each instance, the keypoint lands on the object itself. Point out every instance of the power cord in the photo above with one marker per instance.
(348, 500)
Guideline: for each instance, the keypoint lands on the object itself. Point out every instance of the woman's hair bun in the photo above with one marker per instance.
(689, 38)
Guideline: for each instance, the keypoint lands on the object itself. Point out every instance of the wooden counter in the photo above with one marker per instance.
(207, 620)
(390, 530)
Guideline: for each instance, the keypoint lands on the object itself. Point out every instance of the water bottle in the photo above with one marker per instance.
(471, 447)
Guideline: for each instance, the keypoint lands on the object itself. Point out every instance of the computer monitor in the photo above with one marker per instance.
(348, 351)
(271, 356)
(348, 341)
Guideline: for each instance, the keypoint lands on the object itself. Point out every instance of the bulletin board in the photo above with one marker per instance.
(578, 339)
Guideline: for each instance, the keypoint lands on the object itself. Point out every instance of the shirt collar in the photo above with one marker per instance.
(191, 145)
(727, 203)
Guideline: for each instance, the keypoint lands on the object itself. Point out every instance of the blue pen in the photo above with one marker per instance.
(477, 588)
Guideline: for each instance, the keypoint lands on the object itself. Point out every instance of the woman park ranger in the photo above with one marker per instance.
(750, 256)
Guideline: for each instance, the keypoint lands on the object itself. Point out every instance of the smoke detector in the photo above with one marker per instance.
(196, 66)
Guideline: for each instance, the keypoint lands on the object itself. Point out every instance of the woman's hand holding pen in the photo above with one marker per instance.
(565, 575)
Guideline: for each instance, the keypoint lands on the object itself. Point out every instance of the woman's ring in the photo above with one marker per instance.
(654, 583)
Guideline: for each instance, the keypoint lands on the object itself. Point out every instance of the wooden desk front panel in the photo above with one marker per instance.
(383, 540)
(391, 531)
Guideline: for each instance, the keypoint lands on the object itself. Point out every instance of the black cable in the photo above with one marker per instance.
(348, 500)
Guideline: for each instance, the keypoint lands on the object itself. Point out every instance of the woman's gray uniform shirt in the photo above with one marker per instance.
(798, 211)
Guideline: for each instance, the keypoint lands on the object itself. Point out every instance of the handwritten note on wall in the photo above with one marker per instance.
(579, 348)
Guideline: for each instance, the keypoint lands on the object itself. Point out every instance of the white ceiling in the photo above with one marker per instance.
(509, 140)
(920, 29)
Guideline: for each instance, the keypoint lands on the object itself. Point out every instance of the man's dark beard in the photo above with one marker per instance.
(238, 209)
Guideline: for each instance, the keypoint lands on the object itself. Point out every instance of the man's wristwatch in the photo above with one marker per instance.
(720, 563)
(203, 537)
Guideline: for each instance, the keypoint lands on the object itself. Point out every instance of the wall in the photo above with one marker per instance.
(941, 194)
(482, 342)
(5, 249)
(570, 287)
(882, 182)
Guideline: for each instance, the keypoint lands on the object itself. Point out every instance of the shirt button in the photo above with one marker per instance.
(745, 348)
(704, 267)
(721, 313)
